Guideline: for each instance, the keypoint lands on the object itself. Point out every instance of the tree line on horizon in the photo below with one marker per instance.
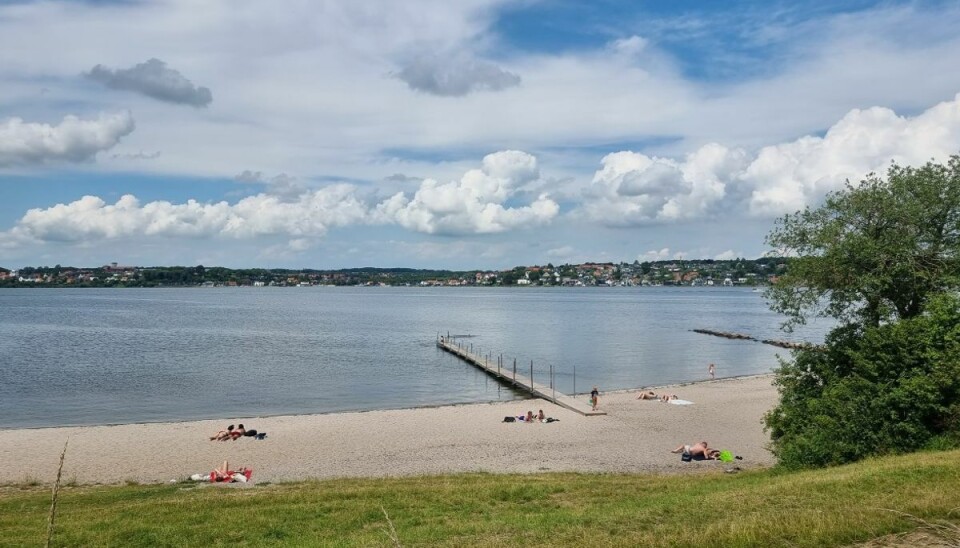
(153, 276)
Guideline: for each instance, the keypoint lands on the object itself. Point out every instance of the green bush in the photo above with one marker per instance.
(871, 391)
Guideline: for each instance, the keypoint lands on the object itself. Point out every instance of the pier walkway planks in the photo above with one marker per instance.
(517, 380)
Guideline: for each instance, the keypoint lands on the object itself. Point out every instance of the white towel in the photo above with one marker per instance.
(681, 402)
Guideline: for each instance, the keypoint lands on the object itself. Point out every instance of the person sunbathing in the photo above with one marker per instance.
(223, 434)
(225, 474)
(238, 433)
(541, 417)
(649, 395)
(698, 449)
(668, 397)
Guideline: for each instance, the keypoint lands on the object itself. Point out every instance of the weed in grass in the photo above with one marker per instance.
(392, 533)
(941, 529)
(56, 493)
(29, 481)
(275, 533)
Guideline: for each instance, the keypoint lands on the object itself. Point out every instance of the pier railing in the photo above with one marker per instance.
(507, 373)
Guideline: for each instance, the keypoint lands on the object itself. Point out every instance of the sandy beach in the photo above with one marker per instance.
(635, 436)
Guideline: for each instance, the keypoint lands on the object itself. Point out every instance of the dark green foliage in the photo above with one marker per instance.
(884, 259)
(888, 389)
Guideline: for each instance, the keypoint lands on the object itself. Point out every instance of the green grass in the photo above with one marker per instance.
(837, 506)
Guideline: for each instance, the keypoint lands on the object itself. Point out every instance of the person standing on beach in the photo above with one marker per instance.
(712, 370)
(594, 397)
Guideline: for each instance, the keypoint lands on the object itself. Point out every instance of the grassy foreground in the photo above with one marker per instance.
(837, 506)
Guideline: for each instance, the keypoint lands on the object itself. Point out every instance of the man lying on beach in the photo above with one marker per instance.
(648, 395)
(695, 450)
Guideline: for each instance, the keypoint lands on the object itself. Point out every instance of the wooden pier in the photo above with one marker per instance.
(514, 378)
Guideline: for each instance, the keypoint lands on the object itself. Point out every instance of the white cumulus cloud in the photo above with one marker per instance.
(788, 176)
(633, 188)
(655, 255)
(72, 140)
(476, 204)
(90, 218)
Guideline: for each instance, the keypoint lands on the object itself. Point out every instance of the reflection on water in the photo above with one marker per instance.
(98, 356)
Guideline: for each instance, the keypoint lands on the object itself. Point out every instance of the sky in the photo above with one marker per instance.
(478, 134)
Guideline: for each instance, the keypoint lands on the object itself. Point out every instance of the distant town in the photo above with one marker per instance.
(704, 272)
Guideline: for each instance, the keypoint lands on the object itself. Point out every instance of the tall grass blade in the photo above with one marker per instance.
(56, 494)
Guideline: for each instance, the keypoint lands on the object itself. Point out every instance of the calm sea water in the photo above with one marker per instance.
(103, 356)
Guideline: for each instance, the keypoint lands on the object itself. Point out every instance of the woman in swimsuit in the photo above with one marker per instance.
(223, 434)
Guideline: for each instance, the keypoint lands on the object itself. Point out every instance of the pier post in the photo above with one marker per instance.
(574, 380)
(514, 371)
(553, 385)
(531, 374)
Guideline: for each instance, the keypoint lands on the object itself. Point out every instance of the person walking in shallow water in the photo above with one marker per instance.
(712, 370)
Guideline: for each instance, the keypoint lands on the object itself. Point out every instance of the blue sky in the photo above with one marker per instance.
(475, 134)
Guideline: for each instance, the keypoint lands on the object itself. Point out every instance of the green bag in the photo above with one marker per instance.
(726, 456)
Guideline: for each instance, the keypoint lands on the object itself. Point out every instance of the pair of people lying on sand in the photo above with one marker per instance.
(233, 434)
(651, 395)
(539, 417)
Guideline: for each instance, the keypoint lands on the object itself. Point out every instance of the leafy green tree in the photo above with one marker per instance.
(875, 252)
(881, 258)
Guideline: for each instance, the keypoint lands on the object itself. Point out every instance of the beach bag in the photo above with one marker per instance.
(726, 456)
(686, 457)
(509, 419)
